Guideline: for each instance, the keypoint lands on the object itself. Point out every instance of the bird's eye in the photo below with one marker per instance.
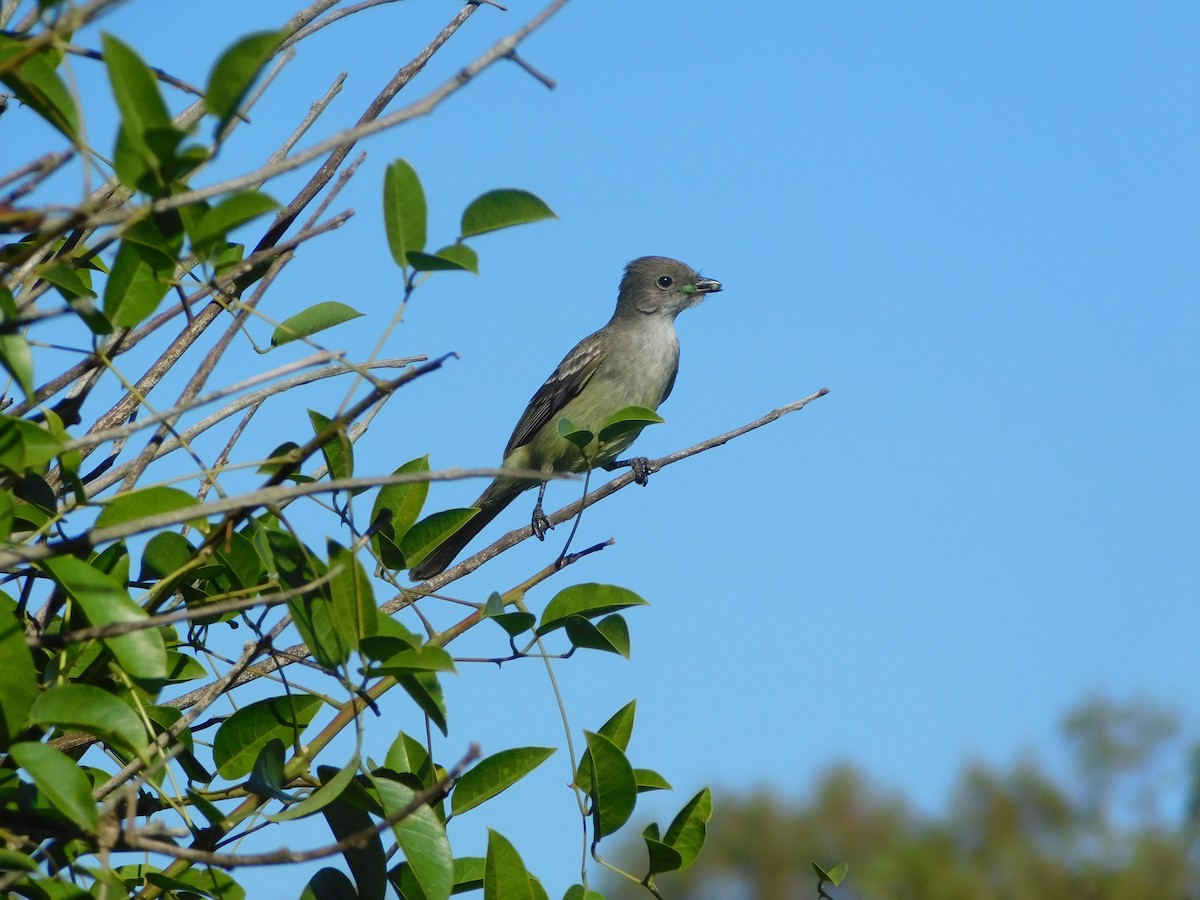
(665, 281)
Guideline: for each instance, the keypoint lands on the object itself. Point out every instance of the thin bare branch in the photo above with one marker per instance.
(334, 16)
(568, 512)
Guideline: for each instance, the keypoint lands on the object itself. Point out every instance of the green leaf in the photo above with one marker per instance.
(239, 738)
(235, 210)
(408, 756)
(614, 786)
(402, 505)
(580, 437)
(504, 876)
(142, 503)
(610, 634)
(84, 707)
(166, 553)
(425, 689)
(587, 600)
(24, 445)
(631, 418)
(494, 774)
(690, 827)
(235, 71)
(134, 289)
(8, 510)
(427, 658)
(329, 884)
(456, 257)
(431, 532)
(71, 283)
(337, 450)
(104, 601)
(36, 84)
(422, 837)
(207, 881)
(367, 861)
(146, 125)
(182, 668)
(60, 780)
(317, 318)
(353, 598)
(17, 359)
(18, 677)
(404, 211)
(663, 858)
(333, 784)
(501, 209)
(579, 892)
(834, 875)
(266, 777)
(238, 557)
(513, 623)
(134, 87)
(649, 780)
(13, 860)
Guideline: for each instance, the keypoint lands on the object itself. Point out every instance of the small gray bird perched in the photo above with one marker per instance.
(631, 361)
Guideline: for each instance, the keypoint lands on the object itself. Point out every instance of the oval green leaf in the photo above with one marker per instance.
(690, 827)
(235, 71)
(631, 418)
(404, 211)
(234, 210)
(142, 503)
(402, 503)
(587, 600)
(501, 209)
(504, 874)
(135, 89)
(495, 774)
(84, 707)
(610, 634)
(105, 601)
(319, 317)
(649, 780)
(429, 534)
(60, 780)
(37, 85)
(422, 837)
(133, 290)
(18, 677)
(614, 786)
(456, 257)
(237, 742)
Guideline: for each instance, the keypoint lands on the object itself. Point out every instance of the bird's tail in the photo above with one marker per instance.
(491, 502)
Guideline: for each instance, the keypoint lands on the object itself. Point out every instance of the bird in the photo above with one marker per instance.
(631, 361)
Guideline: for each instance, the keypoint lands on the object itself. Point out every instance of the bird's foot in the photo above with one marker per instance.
(639, 465)
(540, 523)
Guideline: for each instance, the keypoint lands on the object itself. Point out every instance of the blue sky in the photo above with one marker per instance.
(976, 224)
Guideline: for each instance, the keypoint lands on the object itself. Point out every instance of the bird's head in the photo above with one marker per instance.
(658, 285)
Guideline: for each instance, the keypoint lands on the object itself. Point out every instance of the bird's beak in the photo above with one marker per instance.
(707, 286)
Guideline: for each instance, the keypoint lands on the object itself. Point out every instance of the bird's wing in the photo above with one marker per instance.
(572, 374)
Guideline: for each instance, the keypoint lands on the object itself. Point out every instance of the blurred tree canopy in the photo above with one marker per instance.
(1102, 832)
